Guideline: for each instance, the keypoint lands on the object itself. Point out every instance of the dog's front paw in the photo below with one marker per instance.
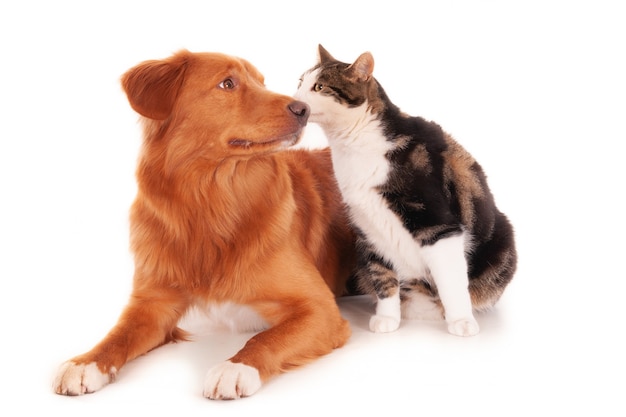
(229, 381)
(79, 379)
(463, 327)
(384, 324)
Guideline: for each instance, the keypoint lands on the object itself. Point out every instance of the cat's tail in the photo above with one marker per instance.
(492, 265)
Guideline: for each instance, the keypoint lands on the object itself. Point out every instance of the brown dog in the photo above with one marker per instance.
(223, 220)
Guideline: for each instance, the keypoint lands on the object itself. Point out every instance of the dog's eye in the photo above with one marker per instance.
(227, 84)
(317, 87)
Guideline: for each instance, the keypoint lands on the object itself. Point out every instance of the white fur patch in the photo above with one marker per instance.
(387, 317)
(335, 119)
(464, 327)
(448, 267)
(229, 381)
(75, 379)
(235, 317)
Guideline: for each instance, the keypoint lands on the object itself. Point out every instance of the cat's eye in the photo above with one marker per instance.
(317, 87)
(227, 84)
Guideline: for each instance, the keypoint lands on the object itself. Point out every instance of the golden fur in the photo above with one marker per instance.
(224, 215)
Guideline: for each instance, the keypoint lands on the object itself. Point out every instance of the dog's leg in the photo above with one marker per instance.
(312, 328)
(148, 321)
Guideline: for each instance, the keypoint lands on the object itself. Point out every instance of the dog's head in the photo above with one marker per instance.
(212, 105)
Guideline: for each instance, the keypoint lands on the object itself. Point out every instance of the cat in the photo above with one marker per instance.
(431, 241)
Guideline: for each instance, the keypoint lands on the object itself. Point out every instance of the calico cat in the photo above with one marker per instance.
(432, 243)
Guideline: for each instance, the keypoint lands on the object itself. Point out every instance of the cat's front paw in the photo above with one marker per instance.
(79, 379)
(384, 324)
(463, 327)
(229, 381)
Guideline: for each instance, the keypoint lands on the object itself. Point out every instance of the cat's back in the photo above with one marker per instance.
(432, 178)
(417, 159)
(423, 150)
(414, 139)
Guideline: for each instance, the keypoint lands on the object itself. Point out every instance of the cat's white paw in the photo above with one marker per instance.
(79, 379)
(384, 324)
(463, 327)
(229, 381)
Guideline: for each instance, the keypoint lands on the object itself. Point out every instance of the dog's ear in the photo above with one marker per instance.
(323, 55)
(363, 68)
(152, 86)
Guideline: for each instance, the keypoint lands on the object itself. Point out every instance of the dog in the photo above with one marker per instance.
(226, 218)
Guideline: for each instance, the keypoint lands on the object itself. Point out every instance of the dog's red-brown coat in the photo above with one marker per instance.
(220, 216)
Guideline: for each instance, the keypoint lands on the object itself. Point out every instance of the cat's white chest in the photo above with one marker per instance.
(359, 173)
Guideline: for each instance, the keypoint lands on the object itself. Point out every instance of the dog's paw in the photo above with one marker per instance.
(463, 327)
(79, 379)
(384, 324)
(229, 381)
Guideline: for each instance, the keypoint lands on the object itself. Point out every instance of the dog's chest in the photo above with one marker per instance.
(227, 315)
(359, 174)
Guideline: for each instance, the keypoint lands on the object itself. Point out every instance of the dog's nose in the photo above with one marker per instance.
(300, 110)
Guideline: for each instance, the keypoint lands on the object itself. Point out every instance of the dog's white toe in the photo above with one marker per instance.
(79, 379)
(384, 324)
(464, 327)
(229, 381)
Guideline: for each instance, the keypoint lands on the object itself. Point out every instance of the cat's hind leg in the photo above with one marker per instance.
(448, 268)
(420, 301)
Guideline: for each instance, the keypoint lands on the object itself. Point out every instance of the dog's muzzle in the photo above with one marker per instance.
(301, 110)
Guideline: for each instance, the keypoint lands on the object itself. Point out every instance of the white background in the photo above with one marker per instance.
(535, 90)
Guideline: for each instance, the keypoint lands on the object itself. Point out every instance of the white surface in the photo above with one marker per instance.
(535, 90)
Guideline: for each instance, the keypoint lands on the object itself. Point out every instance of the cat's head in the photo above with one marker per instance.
(338, 92)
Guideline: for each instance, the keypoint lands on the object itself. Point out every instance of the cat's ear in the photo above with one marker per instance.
(323, 55)
(363, 68)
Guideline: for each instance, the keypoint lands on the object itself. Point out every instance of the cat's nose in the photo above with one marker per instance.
(301, 110)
